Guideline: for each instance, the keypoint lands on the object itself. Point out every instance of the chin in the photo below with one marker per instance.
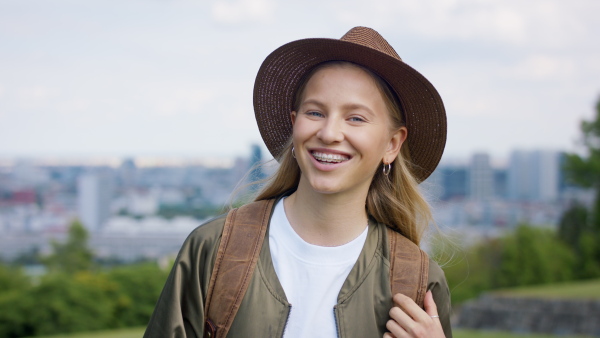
(325, 188)
(327, 191)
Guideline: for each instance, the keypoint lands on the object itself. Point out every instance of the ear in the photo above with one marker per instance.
(396, 141)
(293, 117)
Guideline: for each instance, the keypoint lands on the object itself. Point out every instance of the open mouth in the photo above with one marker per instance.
(329, 158)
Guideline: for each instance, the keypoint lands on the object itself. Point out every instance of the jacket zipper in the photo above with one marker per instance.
(287, 319)
(337, 328)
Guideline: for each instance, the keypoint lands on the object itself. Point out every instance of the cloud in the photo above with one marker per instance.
(182, 101)
(3, 108)
(544, 67)
(224, 11)
(441, 19)
(500, 66)
(507, 21)
(32, 97)
(73, 106)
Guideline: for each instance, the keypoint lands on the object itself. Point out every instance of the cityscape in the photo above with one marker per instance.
(126, 125)
(143, 210)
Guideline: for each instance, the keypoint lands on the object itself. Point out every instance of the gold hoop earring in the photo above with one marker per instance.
(387, 167)
(293, 154)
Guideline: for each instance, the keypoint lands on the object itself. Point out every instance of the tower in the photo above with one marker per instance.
(481, 178)
(93, 194)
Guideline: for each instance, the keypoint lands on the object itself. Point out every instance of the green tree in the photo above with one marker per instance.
(584, 170)
(577, 231)
(16, 307)
(572, 224)
(532, 255)
(467, 269)
(15, 303)
(138, 289)
(74, 254)
(71, 303)
(526, 256)
(12, 278)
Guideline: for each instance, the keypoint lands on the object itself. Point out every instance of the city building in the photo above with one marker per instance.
(481, 177)
(452, 181)
(154, 205)
(255, 160)
(94, 198)
(534, 175)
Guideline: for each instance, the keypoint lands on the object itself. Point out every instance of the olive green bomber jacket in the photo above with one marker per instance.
(363, 302)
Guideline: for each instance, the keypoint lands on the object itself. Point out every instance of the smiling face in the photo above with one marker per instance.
(342, 131)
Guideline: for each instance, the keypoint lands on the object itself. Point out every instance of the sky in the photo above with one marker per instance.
(175, 77)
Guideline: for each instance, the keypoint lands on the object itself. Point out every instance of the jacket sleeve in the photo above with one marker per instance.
(441, 295)
(179, 311)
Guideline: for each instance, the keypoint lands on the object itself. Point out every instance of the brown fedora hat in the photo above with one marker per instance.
(279, 76)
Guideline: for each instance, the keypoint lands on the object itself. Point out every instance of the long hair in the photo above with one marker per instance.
(393, 199)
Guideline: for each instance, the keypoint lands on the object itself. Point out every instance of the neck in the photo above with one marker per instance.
(326, 219)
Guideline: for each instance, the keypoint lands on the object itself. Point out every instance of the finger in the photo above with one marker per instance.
(396, 331)
(430, 307)
(401, 317)
(411, 308)
(402, 325)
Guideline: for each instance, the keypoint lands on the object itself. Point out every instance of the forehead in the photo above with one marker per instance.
(342, 76)
(342, 65)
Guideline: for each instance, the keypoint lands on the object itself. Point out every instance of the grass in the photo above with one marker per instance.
(122, 333)
(138, 332)
(572, 290)
(588, 290)
(496, 334)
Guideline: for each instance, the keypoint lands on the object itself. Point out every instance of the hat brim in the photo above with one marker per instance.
(279, 75)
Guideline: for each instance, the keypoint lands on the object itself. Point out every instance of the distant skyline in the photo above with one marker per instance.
(174, 78)
(115, 161)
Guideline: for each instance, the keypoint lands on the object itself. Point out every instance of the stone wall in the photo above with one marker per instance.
(531, 315)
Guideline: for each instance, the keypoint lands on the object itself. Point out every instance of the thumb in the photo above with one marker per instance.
(429, 305)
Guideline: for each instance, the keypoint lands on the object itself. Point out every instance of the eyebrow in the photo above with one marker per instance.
(349, 106)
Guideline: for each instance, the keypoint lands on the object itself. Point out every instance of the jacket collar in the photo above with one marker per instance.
(364, 264)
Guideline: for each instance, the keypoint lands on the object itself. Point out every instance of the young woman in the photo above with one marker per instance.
(355, 130)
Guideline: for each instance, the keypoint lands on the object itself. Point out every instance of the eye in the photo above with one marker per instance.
(357, 119)
(314, 113)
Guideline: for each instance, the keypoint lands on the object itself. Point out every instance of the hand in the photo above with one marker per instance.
(409, 320)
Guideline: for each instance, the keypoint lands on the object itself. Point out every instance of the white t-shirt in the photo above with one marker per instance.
(310, 275)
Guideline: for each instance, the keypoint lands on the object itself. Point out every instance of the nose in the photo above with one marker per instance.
(331, 131)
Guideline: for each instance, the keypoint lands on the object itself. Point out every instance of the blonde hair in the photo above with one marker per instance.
(393, 199)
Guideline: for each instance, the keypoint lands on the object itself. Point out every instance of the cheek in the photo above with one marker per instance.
(300, 131)
(374, 148)
(373, 140)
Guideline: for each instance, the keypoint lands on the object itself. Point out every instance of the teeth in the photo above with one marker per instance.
(332, 158)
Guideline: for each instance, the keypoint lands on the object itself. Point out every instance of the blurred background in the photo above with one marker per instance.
(126, 124)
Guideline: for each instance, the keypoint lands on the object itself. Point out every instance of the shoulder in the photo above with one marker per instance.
(208, 235)
(396, 243)
(210, 229)
(204, 238)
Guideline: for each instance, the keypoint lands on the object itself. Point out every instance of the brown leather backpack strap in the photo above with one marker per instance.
(241, 241)
(409, 268)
